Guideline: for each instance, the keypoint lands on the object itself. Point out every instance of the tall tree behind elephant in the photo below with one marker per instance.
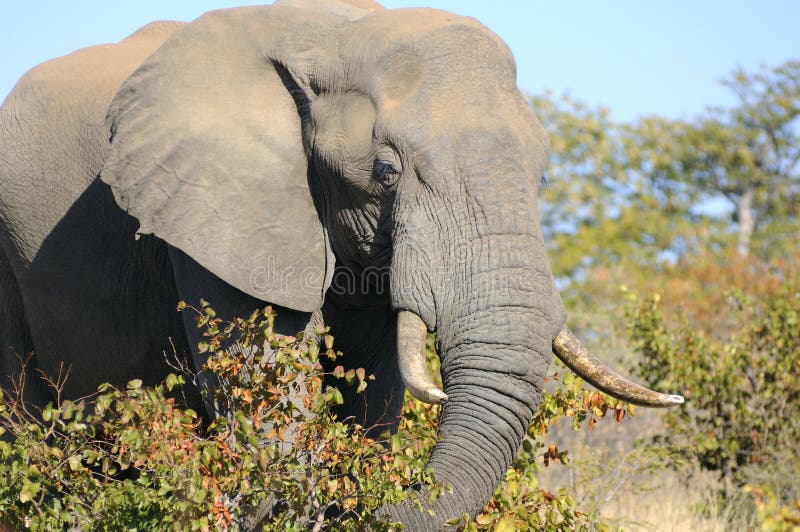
(393, 145)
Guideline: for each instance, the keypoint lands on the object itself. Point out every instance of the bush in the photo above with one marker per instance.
(134, 457)
(774, 516)
(742, 416)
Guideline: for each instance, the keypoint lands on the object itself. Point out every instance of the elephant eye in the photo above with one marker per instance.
(386, 172)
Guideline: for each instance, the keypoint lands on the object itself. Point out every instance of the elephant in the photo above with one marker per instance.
(256, 155)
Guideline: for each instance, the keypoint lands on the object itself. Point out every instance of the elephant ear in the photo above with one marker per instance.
(207, 153)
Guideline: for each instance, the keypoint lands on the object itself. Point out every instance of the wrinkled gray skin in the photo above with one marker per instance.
(263, 140)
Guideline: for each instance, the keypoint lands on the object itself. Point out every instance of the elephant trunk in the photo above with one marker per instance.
(494, 360)
(493, 381)
(494, 335)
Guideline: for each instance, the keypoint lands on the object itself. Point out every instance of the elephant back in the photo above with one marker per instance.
(53, 138)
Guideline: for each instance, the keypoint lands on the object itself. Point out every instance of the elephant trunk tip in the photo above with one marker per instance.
(411, 334)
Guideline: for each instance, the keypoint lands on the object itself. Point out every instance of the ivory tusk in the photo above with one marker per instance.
(411, 334)
(580, 360)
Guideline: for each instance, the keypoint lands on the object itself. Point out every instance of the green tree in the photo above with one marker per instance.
(659, 189)
(675, 207)
(600, 207)
(748, 156)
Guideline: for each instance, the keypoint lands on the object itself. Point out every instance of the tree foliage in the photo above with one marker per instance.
(600, 207)
(748, 156)
(658, 189)
(133, 457)
(596, 210)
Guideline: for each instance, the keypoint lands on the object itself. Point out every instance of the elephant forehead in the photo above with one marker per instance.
(398, 50)
(343, 125)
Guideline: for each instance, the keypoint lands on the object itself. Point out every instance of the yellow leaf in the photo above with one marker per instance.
(484, 519)
(505, 524)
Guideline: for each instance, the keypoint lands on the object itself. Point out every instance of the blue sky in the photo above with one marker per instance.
(662, 57)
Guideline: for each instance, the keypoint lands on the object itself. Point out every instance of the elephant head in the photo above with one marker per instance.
(275, 143)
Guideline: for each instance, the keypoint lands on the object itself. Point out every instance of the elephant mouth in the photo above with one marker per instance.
(412, 331)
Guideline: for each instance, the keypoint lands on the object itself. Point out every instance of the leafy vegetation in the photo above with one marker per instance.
(741, 380)
(133, 456)
(276, 455)
(642, 194)
(748, 157)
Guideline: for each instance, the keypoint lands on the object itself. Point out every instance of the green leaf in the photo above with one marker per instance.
(397, 443)
(29, 491)
(74, 462)
(527, 445)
